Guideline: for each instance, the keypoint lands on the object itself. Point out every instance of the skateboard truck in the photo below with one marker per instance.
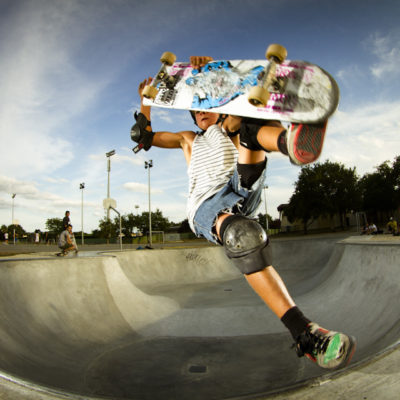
(151, 91)
(259, 95)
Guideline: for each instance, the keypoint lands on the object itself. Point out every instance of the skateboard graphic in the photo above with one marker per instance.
(275, 88)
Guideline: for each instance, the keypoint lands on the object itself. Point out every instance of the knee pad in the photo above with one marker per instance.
(246, 244)
(249, 173)
(248, 133)
(249, 129)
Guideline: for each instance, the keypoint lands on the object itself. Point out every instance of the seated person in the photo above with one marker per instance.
(66, 241)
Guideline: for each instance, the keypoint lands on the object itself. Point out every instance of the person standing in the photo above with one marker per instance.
(66, 220)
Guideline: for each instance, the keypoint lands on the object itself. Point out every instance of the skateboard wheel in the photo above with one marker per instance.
(276, 51)
(150, 92)
(258, 96)
(168, 58)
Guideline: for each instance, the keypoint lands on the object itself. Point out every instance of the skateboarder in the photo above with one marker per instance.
(66, 241)
(226, 176)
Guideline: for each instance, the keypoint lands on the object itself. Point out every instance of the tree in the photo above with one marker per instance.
(323, 190)
(381, 189)
(54, 225)
(184, 226)
(131, 223)
(19, 230)
(262, 220)
(108, 229)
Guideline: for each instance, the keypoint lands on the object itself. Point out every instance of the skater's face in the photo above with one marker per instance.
(205, 119)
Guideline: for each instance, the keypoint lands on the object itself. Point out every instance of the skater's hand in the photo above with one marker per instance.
(199, 61)
(142, 85)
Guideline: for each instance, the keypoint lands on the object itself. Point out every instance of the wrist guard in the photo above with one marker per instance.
(140, 135)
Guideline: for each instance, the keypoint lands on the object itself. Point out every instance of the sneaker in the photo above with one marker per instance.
(305, 141)
(328, 349)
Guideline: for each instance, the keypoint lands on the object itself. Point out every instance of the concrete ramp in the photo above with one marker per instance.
(183, 323)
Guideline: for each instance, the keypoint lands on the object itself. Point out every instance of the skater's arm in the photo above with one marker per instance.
(163, 139)
(170, 140)
(145, 110)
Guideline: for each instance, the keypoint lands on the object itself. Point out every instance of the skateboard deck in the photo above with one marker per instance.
(297, 91)
(71, 253)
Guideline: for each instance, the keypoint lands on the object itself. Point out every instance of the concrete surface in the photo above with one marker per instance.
(183, 324)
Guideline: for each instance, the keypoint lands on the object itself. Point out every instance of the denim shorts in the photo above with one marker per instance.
(232, 198)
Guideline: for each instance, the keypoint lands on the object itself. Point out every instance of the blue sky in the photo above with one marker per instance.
(68, 87)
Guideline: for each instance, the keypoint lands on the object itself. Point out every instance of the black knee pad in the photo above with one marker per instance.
(246, 244)
(248, 133)
(249, 129)
(249, 173)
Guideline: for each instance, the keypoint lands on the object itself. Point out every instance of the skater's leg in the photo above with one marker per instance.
(247, 246)
(301, 142)
(272, 290)
(266, 282)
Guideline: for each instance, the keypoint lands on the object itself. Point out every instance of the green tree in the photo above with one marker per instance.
(381, 189)
(131, 223)
(263, 222)
(54, 225)
(108, 229)
(323, 190)
(396, 181)
(19, 230)
(184, 226)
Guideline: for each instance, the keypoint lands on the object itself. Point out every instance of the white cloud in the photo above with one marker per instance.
(11, 185)
(162, 115)
(387, 52)
(140, 188)
(364, 137)
(118, 158)
(349, 74)
(43, 89)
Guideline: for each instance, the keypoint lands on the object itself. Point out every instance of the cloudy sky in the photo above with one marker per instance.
(68, 87)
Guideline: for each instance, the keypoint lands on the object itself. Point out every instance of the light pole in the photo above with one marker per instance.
(108, 155)
(148, 165)
(81, 187)
(12, 216)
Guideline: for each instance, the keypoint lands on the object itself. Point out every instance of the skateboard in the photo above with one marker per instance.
(274, 88)
(71, 253)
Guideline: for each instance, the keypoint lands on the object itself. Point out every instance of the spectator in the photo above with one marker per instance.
(66, 220)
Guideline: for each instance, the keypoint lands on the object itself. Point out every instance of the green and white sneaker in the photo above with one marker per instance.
(328, 349)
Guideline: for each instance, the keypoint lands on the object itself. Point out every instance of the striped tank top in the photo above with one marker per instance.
(212, 163)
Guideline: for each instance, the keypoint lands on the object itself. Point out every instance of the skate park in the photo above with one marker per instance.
(182, 323)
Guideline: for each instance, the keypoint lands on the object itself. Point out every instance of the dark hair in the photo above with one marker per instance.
(66, 212)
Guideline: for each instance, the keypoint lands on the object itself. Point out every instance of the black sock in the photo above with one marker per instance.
(282, 143)
(295, 321)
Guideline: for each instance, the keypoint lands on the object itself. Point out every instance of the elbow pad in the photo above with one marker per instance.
(140, 134)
